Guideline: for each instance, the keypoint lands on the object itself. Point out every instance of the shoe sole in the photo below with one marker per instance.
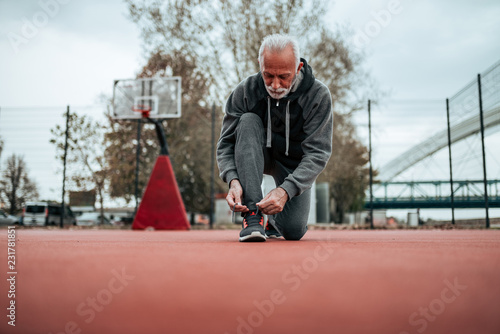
(272, 236)
(255, 236)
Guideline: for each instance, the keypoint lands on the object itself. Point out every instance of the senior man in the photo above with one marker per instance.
(277, 122)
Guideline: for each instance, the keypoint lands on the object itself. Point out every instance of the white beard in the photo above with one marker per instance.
(280, 93)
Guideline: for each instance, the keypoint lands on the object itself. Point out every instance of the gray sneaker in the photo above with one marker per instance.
(272, 232)
(253, 228)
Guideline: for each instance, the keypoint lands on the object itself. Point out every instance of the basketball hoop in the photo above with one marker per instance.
(160, 95)
(144, 110)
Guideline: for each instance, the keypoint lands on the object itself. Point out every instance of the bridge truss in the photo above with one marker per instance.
(435, 194)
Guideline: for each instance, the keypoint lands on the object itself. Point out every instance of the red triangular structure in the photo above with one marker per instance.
(161, 206)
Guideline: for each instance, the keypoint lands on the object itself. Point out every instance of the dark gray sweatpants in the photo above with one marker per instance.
(252, 160)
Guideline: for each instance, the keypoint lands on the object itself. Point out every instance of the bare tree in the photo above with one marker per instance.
(87, 165)
(16, 187)
(224, 37)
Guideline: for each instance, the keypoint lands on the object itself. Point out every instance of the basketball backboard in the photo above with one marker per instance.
(160, 95)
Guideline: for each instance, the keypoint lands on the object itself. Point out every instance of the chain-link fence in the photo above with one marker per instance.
(410, 144)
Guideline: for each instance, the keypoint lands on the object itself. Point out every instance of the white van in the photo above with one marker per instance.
(46, 213)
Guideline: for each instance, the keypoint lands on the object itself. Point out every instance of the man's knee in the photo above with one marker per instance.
(250, 129)
(250, 119)
(294, 233)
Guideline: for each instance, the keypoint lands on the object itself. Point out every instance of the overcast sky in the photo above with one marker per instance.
(425, 49)
(59, 52)
(429, 49)
(72, 58)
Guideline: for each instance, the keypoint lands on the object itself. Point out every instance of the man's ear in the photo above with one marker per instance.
(299, 67)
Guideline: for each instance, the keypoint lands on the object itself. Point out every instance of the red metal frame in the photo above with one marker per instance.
(144, 110)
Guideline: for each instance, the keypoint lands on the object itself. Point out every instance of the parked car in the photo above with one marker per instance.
(46, 213)
(6, 219)
(91, 218)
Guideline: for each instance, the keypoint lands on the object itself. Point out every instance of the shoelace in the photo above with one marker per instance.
(260, 221)
(233, 218)
(234, 212)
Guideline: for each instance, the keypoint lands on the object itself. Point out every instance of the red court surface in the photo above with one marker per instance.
(116, 281)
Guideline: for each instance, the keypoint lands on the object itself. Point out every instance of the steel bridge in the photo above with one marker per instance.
(428, 147)
(435, 194)
(388, 194)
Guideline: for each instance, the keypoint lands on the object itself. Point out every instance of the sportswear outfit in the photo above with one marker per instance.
(289, 139)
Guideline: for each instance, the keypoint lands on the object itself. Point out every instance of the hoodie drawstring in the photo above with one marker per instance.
(287, 124)
(287, 127)
(268, 122)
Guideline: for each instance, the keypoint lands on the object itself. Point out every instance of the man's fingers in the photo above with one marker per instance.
(267, 207)
(240, 208)
(232, 198)
(271, 204)
(237, 200)
(230, 201)
(265, 202)
(235, 204)
(271, 211)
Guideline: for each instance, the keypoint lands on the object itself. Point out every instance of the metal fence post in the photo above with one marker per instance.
(450, 159)
(484, 154)
(370, 159)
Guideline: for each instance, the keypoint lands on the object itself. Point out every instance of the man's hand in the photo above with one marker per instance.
(234, 195)
(274, 202)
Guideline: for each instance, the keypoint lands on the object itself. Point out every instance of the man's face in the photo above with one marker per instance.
(278, 71)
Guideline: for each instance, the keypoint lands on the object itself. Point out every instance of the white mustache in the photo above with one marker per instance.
(280, 91)
(276, 91)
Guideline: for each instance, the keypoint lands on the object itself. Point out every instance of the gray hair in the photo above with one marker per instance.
(277, 42)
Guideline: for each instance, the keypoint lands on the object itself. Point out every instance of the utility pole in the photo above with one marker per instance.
(63, 209)
(370, 158)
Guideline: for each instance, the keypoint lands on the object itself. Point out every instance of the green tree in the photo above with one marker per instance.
(223, 39)
(86, 165)
(16, 187)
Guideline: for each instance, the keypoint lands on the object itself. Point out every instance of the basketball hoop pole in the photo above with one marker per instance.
(161, 136)
(158, 126)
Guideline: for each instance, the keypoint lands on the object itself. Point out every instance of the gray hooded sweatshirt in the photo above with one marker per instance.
(298, 128)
